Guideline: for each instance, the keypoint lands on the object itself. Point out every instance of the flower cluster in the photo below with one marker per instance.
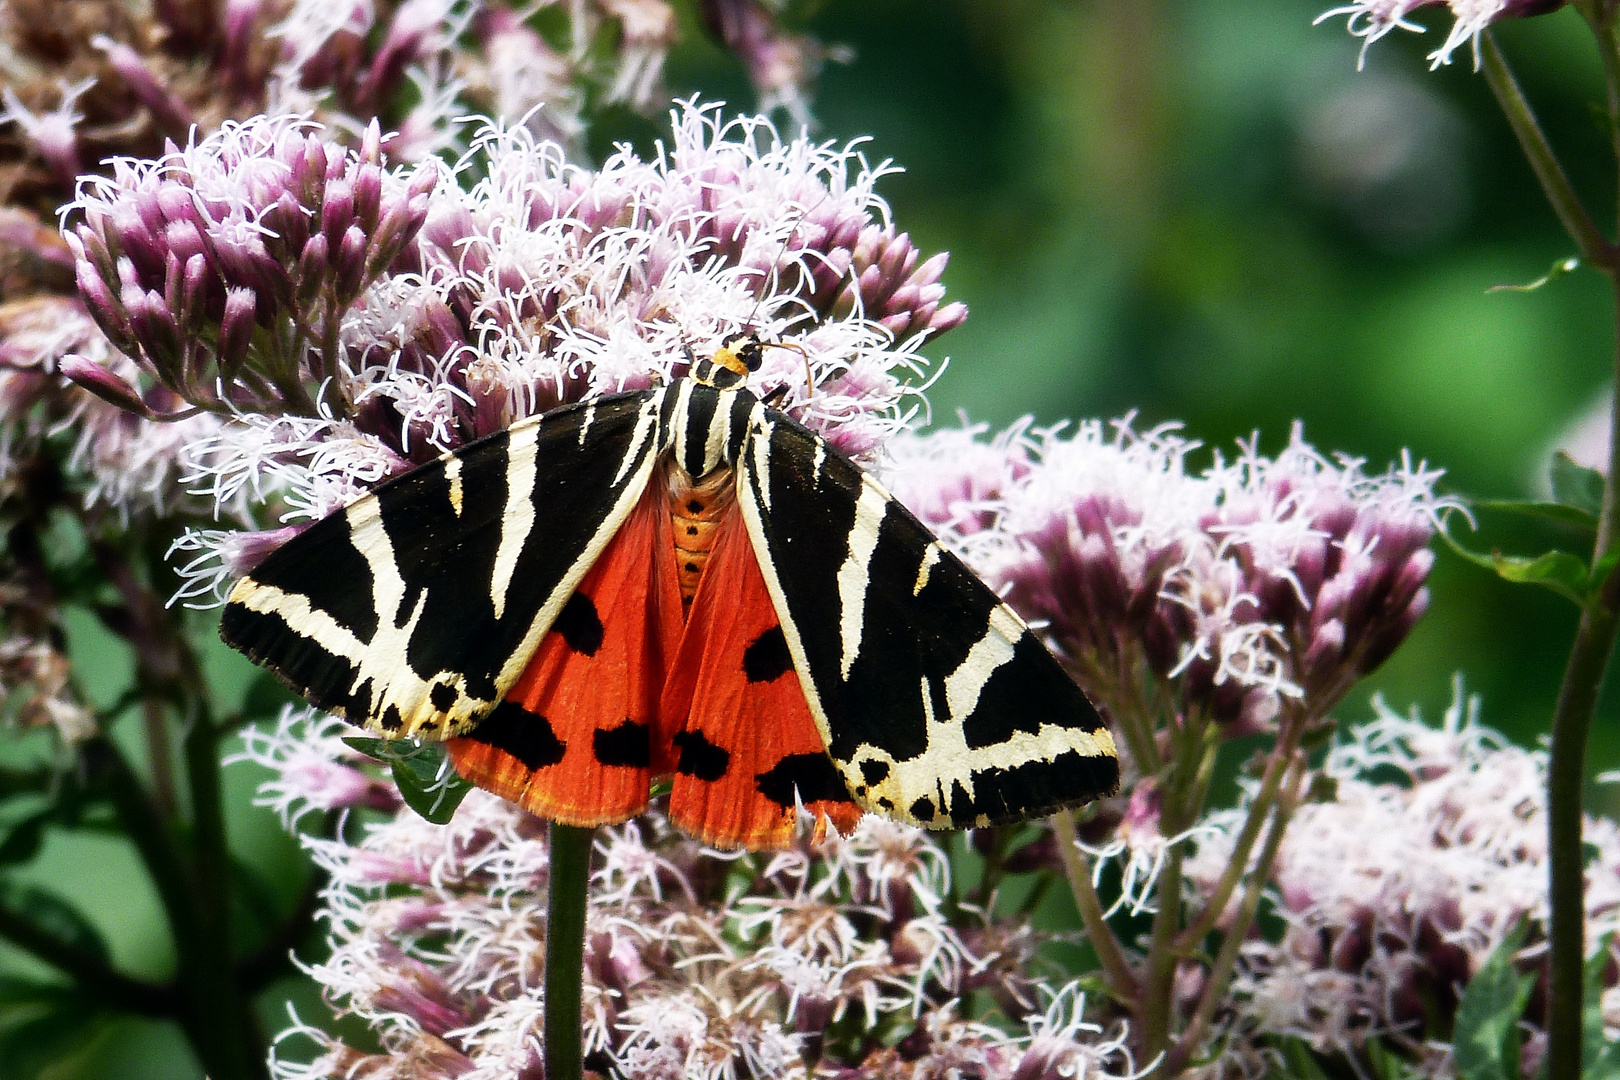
(1394, 890)
(1246, 587)
(860, 955)
(1372, 19)
(227, 268)
(120, 82)
(264, 260)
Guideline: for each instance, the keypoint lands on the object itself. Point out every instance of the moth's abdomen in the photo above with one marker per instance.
(696, 510)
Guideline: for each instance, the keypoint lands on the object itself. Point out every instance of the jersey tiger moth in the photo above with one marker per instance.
(678, 582)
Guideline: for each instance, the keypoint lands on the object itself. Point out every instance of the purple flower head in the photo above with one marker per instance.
(371, 320)
(1372, 19)
(51, 132)
(313, 769)
(780, 965)
(780, 65)
(58, 373)
(1242, 588)
(1395, 891)
(228, 266)
(1333, 559)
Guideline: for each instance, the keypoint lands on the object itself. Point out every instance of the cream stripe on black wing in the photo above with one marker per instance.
(938, 704)
(415, 608)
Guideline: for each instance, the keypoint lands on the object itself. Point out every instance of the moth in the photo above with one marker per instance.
(686, 583)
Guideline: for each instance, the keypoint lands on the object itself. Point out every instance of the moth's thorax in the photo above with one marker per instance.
(705, 427)
(696, 509)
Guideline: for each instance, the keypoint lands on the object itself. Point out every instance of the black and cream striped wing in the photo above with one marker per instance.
(937, 704)
(414, 609)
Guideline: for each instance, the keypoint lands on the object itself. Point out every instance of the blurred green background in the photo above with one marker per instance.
(1203, 212)
(1199, 211)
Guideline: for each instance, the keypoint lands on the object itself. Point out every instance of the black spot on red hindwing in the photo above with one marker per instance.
(580, 625)
(767, 658)
(700, 758)
(525, 735)
(629, 744)
(442, 696)
(874, 772)
(391, 719)
(813, 775)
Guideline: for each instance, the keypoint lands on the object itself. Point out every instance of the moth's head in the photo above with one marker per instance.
(740, 353)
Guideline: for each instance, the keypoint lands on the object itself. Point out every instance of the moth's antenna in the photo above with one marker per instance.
(772, 271)
(809, 383)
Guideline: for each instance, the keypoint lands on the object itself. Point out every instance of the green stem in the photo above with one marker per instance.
(1566, 779)
(223, 1009)
(1116, 966)
(1595, 634)
(1594, 246)
(1159, 985)
(1259, 810)
(1599, 15)
(570, 875)
(1566, 776)
(1220, 973)
(86, 969)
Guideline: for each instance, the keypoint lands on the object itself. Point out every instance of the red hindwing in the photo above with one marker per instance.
(619, 693)
(575, 739)
(744, 739)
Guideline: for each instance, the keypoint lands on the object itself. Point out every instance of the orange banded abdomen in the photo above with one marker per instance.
(696, 510)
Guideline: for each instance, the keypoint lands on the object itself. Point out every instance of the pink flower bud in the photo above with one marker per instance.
(351, 264)
(236, 329)
(312, 266)
(170, 112)
(91, 376)
(337, 212)
(367, 193)
(102, 305)
(949, 317)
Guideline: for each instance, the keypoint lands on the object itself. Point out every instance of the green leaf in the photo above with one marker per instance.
(1557, 570)
(1485, 1035)
(22, 843)
(1600, 1058)
(1298, 1061)
(39, 1041)
(17, 991)
(427, 781)
(1567, 265)
(375, 749)
(1557, 512)
(1576, 485)
(55, 916)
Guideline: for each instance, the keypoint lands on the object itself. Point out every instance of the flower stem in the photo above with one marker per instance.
(1595, 634)
(1566, 778)
(1594, 246)
(570, 876)
(1220, 974)
(1116, 966)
